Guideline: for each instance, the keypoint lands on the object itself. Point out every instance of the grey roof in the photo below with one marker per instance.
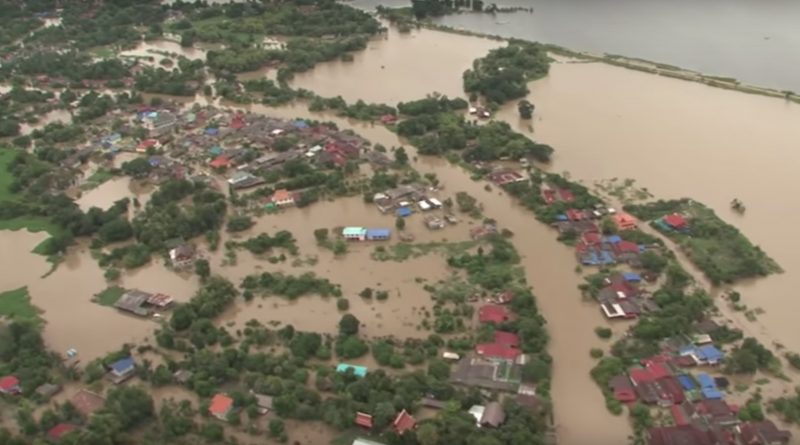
(493, 415)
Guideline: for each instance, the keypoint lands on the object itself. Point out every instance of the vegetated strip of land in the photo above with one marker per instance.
(720, 250)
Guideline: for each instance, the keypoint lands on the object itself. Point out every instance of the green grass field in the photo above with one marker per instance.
(100, 176)
(109, 296)
(16, 304)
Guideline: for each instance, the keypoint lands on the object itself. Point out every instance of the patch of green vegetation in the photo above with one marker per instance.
(403, 251)
(98, 177)
(16, 304)
(716, 247)
(109, 296)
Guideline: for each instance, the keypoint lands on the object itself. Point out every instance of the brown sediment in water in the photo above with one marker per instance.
(104, 195)
(677, 139)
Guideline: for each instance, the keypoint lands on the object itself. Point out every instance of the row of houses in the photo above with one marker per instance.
(143, 304)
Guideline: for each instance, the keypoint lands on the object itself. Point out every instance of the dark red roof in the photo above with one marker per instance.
(549, 196)
(640, 375)
(506, 338)
(492, 313)
(566, 195)
(626, 247)
(497, 350)
(625, 395)
(58, 431)
(679, 435)
(677, 414)
(404, 422)
(671, 389)
(8, 382)
(592, 238)
(675, 220)
(388, 119)
(363, 419)
(658, 370)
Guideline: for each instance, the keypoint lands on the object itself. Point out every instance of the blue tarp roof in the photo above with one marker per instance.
(712, 393)
(686, 382)
(123, 365)
(380, 233)
(631, 276)
(300, 124)
(613, 239)
(562, 218)
(359, 371)
(710, 353)
(706, 381)
(404, 211)
(212, 131)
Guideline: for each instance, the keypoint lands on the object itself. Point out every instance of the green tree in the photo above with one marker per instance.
(138, 168)
(342, 304)
(349, 324)
(427, 434)
(439, 369)
(202, 268)
(525, 109)
(400, 157)
(400, 223)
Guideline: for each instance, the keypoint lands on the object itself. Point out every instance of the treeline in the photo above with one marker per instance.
(443, 132)
(435, 8)
(290, 286)
(504, 73)
(71, 65)
(87, 24)
(181, 81)
(359, 110)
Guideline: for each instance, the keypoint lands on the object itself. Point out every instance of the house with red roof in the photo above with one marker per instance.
(62, 429)
(625, 221)
(575, 215)
(388, 119)
(566, 195)
(10, 385)
(592, 238)
(147, 144)
(492, 313)
(363, 420)
(504, 297)
(404, 422)
(622, 388)
(497, 351)
(220, 161)
(626, 250)
(221, 407)
(506, 338)
(763, 433)
(548, 196)
(237, 122)
(676, 221)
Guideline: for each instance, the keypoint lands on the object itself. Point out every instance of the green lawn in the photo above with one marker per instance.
(17, 304)
(109, 296)
(100, 176)
(404, 251)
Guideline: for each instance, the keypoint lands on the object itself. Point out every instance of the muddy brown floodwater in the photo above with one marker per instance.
(399, 67)
(678, 139)
(399, 315)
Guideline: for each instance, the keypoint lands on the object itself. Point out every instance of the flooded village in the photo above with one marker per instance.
(284, 274)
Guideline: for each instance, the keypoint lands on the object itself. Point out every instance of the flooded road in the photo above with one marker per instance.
(678, 139)
(398, 67)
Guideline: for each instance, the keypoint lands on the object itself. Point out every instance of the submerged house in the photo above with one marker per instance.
(122, 370)
(182, 256)
(10, 385)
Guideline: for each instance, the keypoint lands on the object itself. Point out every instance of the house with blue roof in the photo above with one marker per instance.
(300, 124)
(378, 234)
(359, 371)
(122, 370)
(632, 277)
(403, 211)
(613, 239)
(703, 355)
(212, 131)
(706, 381)
(687, 383)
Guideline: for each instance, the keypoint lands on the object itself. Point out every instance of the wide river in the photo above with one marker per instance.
(757, 42)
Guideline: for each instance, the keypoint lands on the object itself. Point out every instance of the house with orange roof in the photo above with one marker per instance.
(221, 407)
(282, 198)
(404, 422)
(624, 221)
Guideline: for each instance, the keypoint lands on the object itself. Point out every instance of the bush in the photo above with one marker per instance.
(604, 333)
(240, 223)
(342, 304)
(596, 352)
